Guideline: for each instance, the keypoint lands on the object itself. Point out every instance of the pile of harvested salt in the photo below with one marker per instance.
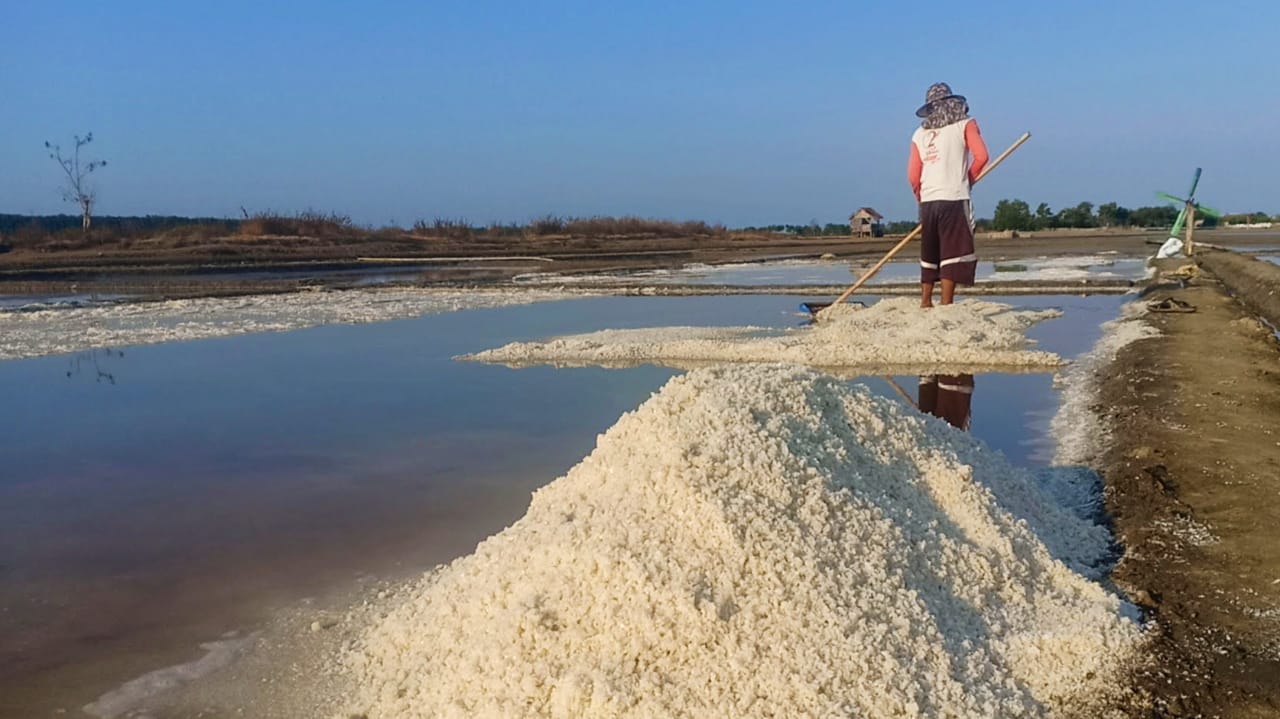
(972, 334)
(763, 541)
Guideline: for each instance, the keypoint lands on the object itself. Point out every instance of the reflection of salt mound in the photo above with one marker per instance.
(890, 332)
(762, 541)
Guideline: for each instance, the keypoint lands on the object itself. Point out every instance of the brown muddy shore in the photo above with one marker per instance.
(1193, 486)
(237, 265)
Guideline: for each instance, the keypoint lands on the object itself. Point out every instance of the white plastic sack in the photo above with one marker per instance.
(1171, 248)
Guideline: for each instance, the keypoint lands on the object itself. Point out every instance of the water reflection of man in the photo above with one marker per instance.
(948, 397)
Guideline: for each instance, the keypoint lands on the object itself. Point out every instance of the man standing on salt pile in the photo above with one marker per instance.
(941, 172)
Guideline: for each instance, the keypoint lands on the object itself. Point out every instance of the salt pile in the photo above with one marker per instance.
(34, 333)
(763, 541)
(972, 334)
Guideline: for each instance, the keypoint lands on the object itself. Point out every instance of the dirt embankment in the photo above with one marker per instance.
(1193, 485)
(253, 265)
(1255, 283)
(256, 253)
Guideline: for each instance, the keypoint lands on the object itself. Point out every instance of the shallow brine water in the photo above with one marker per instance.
(372, 275)
(12, 302)
(154, 497)
(834, 272)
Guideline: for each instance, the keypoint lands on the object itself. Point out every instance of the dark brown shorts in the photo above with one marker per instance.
(948, 397)
(946, 242)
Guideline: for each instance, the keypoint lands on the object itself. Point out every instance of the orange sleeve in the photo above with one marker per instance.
(978, 148)
(914, 168)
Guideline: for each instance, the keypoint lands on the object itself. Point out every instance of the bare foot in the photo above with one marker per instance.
(926, 295)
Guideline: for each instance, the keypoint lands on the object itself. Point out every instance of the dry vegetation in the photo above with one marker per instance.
(302, 224)
(553, 226)
(125, 233)
(57, 243)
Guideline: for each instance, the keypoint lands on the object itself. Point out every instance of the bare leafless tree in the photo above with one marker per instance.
(77, 189)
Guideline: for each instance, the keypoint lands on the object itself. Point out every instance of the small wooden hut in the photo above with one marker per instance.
(865, 222)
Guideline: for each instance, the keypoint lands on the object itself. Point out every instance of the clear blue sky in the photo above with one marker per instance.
(734, 111)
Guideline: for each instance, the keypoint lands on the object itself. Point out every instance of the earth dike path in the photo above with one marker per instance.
(1192, 483)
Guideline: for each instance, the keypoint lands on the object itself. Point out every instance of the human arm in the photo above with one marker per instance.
(915, 167)
(974, 143)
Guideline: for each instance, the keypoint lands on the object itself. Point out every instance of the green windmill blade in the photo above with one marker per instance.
(1170, 198)
(1178, 223)
(1208, 211)
(1194, 181)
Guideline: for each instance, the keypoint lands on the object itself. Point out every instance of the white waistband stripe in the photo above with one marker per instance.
(971, 257)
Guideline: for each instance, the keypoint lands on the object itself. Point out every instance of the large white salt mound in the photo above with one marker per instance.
(763, 541)
(894, 332)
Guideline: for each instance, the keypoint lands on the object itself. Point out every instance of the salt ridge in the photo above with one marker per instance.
(892, 332)
(763, 541)
(54, 331)
(1080, 431)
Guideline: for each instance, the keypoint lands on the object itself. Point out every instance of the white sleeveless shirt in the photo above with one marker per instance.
(945, 160)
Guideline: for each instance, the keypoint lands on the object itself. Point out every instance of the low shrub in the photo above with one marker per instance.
(444, 228)
(547, 225)
(638, 226)
(308, 223)
(200, 232)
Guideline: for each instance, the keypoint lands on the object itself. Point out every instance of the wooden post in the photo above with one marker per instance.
(1191, 229)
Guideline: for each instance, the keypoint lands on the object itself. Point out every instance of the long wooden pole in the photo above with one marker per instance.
(916, 232)
(901, 392)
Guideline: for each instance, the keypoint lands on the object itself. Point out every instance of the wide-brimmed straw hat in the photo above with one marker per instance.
(938, 92)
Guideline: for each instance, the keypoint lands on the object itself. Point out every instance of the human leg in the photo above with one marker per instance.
(958, 261)
(948, 291)
(929, 252)
(927, 394)
(955, 398)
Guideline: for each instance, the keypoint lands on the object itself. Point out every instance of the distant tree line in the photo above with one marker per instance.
(1018, 215)
(813, 229)
(830, 229)
(55, 232)
(1249, 218)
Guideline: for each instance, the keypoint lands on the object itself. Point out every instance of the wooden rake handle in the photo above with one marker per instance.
(916, 232)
